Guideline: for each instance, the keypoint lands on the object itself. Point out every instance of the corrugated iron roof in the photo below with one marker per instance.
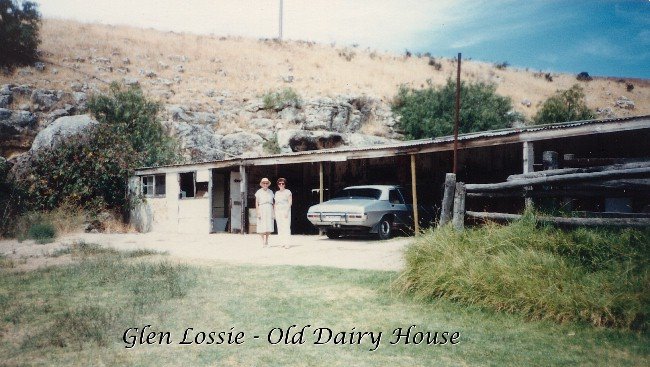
(423, 142)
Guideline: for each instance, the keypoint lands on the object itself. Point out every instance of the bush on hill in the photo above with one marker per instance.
(565, 105)
(429, 112)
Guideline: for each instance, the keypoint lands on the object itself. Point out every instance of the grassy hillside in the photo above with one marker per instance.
(216, 67)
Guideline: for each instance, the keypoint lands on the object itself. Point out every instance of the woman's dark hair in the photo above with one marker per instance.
(282, 180)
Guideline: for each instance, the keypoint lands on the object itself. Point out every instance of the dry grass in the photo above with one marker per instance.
(242, 68)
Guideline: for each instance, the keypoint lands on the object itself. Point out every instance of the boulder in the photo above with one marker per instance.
(45, 99)
(5, 100)
(362, 140)
(261, 124)
(61, 129)
(625, 103)
(240, 142)
(17, 118)
(17, 131)
(313, 140)
(199, 142)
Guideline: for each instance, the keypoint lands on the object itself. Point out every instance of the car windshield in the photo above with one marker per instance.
(357, 194)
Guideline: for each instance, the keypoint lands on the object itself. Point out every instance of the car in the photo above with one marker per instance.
(373, 209)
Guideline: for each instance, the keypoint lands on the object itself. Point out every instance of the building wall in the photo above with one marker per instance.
(170, 214)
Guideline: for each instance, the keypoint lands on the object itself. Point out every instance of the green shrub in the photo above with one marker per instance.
(564, 105)
(595, 276)
(429, 112)
(43, 232)
(19, 28)
(91, 171)
(279, 100)
(271, 146)
(125, 114)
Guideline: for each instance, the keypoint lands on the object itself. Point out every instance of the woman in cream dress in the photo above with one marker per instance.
(283, 201)
(264, 210)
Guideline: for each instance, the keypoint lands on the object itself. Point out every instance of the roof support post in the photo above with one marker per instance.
(321, 184)
(414, 190)
(243, 188)
(528, 161)
(321, 188)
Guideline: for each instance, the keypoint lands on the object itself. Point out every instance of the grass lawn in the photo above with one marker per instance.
(77, 315)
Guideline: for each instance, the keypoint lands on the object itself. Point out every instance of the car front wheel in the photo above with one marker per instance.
(385, 231)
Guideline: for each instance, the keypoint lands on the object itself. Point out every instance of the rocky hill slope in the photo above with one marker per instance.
(213, 88)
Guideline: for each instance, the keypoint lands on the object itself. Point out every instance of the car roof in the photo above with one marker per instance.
(378, 187)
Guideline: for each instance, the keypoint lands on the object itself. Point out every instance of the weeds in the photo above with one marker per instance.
(65, 219)
(5, 263)
(588, 275)
(82, 249)
(280, 100)
(42, 232)
(81, 304)
(271, 146)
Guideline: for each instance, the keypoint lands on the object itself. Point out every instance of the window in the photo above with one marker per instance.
(153, 186)
(187, 185)
(357, 193)
(394, 197)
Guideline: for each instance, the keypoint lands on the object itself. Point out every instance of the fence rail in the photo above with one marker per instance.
(583, 182)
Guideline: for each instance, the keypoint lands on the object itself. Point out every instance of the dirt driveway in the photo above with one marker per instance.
(230, 248)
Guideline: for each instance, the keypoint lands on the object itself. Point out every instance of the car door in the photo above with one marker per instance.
(398, 206)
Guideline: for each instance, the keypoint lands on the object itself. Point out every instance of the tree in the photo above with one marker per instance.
(19, 27)
(127, 114)
(429, 112)
(564, 105)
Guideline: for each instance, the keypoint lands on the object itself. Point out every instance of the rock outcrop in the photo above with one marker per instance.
(33, 119)
(60, 130)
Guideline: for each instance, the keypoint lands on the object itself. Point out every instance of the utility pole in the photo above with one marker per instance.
(280, 36)
(456, 122)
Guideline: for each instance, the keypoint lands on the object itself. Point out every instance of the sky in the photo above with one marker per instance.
(603, 38)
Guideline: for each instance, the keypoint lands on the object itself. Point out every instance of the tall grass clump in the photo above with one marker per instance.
(282, 99)
(43, 232)
(597, 276)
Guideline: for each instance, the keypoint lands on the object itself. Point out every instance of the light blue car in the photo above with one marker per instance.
(374, 209)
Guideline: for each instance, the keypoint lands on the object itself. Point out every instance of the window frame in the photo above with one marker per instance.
(149, 189)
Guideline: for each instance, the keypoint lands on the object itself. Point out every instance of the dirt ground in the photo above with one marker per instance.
(349, 253)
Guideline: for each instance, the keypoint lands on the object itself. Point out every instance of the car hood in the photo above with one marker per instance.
(345, 205)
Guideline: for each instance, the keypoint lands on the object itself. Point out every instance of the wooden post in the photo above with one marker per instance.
(529, 160)
(321, 189)
(459, 207)
(414, 185)
(447, 199)
(243, 188)
(320, 181)
(529, 157)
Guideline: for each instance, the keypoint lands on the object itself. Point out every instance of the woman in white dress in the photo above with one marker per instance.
(283, 201)
(264, 210)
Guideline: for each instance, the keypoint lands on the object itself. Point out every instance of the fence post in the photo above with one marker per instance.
(459, 207)
(447, 199)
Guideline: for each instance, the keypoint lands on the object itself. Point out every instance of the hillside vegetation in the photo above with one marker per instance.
(199, 70)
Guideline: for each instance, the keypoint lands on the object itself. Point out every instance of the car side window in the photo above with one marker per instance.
(394, 197)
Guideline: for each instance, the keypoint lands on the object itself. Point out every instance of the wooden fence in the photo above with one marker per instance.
(589, 181)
